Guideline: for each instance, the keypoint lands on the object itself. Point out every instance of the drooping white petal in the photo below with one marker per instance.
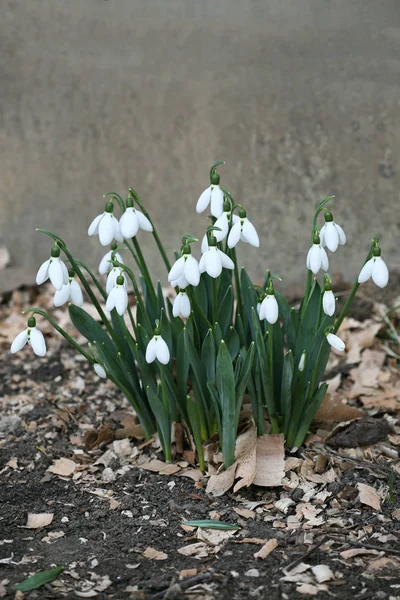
(57, 273)
(204, 200)
(100, 370)
(336, 342)
(366, 271)
(36, 340)
(204, 243)
(314, 258)
(76, 293)
(322, 235)
(117, 231)
(328, 303)
(19, 342)
(202, 262)
(65, 272)
(151, 350)
(226, 262)
(129, 223)
(331, 236)
(180, 282)
(43, 272)
(223, 224)
(249, 233)
(380, 272)
(213, 262)
(177, 269)
(63, 295)
(270, 309)
(217, 201)
(111, 279)
(302, 362)
(324, 259)
(185, 308)
(105, 264)
(234, 235)
(121, 299)
(259, 309)
(94, 225)
(191, 270)
(162, 351)
(341, 233)
(112, 299)
(176, 306)
(144, 222)
(106, 229)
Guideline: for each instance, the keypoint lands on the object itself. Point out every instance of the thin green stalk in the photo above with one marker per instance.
(94, 278)
(132, 320)
(139, 298)
(215, 301)
(167, 444)
(239, 305)
(145, 270)
(75, 344)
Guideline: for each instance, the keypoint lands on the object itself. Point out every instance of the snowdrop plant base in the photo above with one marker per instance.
(192, 360)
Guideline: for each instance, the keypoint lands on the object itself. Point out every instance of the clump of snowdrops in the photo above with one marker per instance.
(192, 360)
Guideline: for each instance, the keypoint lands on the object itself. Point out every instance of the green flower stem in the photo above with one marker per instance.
(132, 320)
(94, 278)
(144, 269)
(69, 339)
(353, 292)
(167, 444)
(139, 298)
(215, 301)
(239, 305)
(118, 198)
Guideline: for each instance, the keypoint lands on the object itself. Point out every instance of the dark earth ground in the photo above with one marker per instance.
(100, 542)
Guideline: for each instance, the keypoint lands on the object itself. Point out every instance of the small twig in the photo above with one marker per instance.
(305, 555)
(375, 547)
(185, 584)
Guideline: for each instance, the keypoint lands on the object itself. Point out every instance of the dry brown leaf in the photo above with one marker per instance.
(267, 549)
(357, 551)
(309, 589)
(64, 467)
(251, 541)
(37, 520)
(270, 468)
(219, 484)
(153, 554)
(245, 454)
(53, 535)
(383, 562)
(369, 496)
(158, 466)
(194, 474)
(334, 410)
(198, 550)
(245, 513)
(187, 573)
(215, 537)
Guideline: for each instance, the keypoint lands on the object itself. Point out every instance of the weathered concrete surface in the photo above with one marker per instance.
(301, 98)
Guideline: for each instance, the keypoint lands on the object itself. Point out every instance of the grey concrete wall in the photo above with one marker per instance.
(301, 98)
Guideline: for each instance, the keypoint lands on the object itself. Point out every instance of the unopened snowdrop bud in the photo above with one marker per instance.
(106, 226)
(213, 260)
(69, 291)
(105, 264)
(100, 370)
(223, 223)
(32, 336)
(243, 230)
(118, 297)
(53, 268)
(317, 257)
(157, 349)
(331, 233)
(269, 309)
(186, 266)
(213, 195)
(335, 342)
(181, 305)
(302, 362)
(328, 299)
(375, 268)
(132, 220)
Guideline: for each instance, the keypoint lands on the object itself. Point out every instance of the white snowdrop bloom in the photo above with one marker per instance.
(317, 257)
(69, 291)
(213, 195)
(32, 336)
(269, 309)
(376, 268)
(157, 349)
(106, 226)
(181, 306)
(132, 220)
(106, 265)
(53, 268)
(187, 266)
(213, 260)
(204, 243)
(100, 370)
(243, 230)
(302, 361)
(336, 342)
(328, 303)
(118, 297)
(112, 278)
(181, 282)
(331, 234)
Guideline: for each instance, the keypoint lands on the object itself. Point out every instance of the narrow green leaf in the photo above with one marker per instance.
(286, 389)
(208, 355)
(194, 418)
(227, 401)
(212, 524)
(39, 579)
(225, 311)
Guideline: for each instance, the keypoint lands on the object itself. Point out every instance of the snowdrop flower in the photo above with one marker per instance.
(118, 297)
(213, 260)
(157, 349)
(376, 268)
(100, 370)
(336, 342)
(53, 268)
(106, 226)
(302, 362)
(32, 336)
(243, 230)
(186, 268)
(317, 257)
(269, 309)
(112, 278)
(69, 291)
(213, 195)
(181, 305)
(331, 234)
(105, 264)
(328, 298)
(132, 220)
